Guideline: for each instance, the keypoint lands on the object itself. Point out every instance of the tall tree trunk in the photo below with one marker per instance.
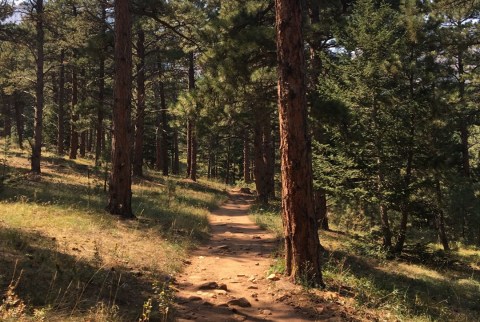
(61, 106)
(74, 118)
(193, 160)
(440, 219)
(83, 143)
(90, 140)
(164, 135)
(404, 209)
(269, 157)
(246, 158)
(18, 106)
(7, 116)
(227, 166)
(302, 244)
(140, 120)
(83, 98)
(120, 188)
(189, 147)
(320, 206)
(191, 127)
(260, 168)
(38, 123)
(175, 154)
(101, 93)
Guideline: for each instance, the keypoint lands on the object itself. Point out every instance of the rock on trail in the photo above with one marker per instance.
(226, 280)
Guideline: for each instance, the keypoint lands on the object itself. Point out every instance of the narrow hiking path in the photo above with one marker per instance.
(226, 278)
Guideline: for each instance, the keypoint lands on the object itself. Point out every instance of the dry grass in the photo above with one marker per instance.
(441, 287)
(78, 262)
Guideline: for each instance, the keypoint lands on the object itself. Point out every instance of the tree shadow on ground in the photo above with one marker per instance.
(69, 285)
(429, 296)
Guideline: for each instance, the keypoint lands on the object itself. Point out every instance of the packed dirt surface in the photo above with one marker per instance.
(228, 279)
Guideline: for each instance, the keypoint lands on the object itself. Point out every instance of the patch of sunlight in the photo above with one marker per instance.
(412, 270)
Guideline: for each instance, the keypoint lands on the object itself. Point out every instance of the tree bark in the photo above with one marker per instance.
(302, 245)
(18, 118)
(440, 219)
(140, 119)
(120, 190)
(246, 158)
(38, 123)
(175, 156)
(320, 206)
(101, 94)
(260, 168)
(161, 136)
(61, 106)
(74, 118)
(7, 116)
(191, 127)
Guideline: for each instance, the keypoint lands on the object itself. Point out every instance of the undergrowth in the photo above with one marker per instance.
(421, 285)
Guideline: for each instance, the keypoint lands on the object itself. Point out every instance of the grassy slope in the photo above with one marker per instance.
(422, 285)
(75, 262)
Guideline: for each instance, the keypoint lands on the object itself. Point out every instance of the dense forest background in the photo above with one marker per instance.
(392, 90)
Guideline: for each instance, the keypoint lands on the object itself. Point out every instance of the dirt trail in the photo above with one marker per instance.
(237, 258)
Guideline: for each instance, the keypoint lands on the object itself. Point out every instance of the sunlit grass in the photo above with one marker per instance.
(392, 289)
(77, 261)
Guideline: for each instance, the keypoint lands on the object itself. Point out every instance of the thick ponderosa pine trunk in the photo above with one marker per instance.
(302, 244)
(120, 188)
(74, 117)
(38, 122)
(140, 119)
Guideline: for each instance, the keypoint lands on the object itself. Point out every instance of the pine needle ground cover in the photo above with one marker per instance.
(423, 284)
(64, 259)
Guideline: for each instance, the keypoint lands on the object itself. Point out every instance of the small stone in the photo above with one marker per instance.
(242, 302)
(256, 237)
(254, 295)
(223, 247)
(256, 264)
(201, 257)
(194, 298)
(207, 303)
(272, 277)
(241, 275)
(222, 287)
(266, 312)
(251, 287)
(208, 286)
(252, 279)
(220, 292)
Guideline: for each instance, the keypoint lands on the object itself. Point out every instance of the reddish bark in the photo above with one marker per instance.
(120, 190)
(302, 245)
